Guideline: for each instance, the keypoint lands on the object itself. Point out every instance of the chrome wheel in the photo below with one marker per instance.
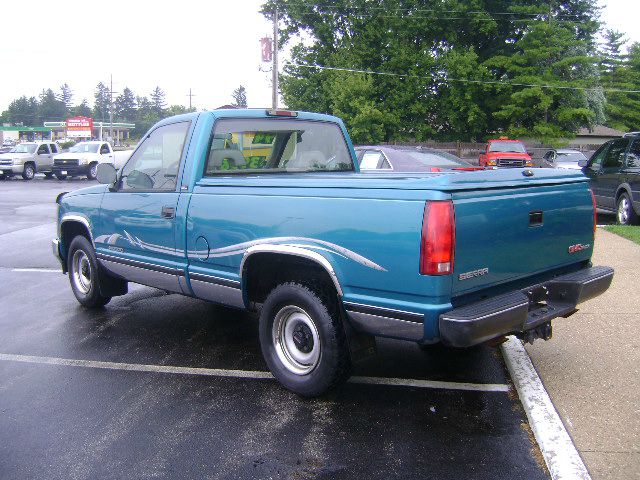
(296, 340)
(81, 272)
(29, 172)
(623, 210)
(93, 171)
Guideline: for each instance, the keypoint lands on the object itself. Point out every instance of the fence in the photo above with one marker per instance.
(471, 150)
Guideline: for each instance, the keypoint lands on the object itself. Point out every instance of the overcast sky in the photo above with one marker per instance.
(211, 47)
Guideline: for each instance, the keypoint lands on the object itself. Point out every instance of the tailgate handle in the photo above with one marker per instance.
(535, 219)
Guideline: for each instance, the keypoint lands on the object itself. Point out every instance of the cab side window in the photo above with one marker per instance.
(614, 157)
(54, 148)
(154, 165)
(43, 149)
(104, 149)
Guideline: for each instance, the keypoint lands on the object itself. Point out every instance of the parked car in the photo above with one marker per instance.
(386, 158)
(27, 159)
(329, 257)
(83, 158)
(505, 153)
(564, 158)
(614, 171)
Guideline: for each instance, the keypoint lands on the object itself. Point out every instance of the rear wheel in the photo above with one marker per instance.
(84, 275)
(625, 214)
(303, 339)
(28, 172)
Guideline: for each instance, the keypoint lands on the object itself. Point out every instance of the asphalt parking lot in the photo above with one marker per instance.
(157, 385)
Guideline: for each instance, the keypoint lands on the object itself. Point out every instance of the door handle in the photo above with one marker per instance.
(168, 212)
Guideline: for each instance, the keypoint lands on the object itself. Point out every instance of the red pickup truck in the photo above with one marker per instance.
(505, 153)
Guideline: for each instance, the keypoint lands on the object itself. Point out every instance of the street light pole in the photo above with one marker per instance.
(274, 94)
(111, 110)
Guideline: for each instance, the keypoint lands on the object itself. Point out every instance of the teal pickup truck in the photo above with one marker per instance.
(266, 211)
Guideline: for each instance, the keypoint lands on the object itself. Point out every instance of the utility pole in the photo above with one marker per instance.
(111, 110)
(274, 94)
(190, 95)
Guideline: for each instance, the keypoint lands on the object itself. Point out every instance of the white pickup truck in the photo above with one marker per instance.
(83, 159)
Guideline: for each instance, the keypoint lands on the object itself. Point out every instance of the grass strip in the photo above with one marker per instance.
(631, 232)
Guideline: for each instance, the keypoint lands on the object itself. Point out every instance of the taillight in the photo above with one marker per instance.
(438, 238)
(435, 169)
(595, 213)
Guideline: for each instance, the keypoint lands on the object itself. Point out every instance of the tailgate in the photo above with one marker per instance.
(505, 234)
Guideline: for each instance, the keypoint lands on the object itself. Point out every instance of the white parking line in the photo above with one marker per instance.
(560, 454)
(43, 270)
(218, 372)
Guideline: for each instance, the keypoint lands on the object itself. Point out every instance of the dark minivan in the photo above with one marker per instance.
(614, 170)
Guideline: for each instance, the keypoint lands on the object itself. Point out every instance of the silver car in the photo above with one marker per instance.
(564, 158)
(27, 159)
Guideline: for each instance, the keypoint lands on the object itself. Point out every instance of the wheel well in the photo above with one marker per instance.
(620, 191)
(68, 231)
(264, 271)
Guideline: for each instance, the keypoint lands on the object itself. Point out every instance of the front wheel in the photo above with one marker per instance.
(303, 340)
(28, 172)
(84, 274)
(625, 214)
(93, 171)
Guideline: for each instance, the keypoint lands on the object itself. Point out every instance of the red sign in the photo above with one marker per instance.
(79, 127)
(267, 49)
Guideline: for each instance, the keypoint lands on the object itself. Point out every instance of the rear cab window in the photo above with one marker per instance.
(245, 146)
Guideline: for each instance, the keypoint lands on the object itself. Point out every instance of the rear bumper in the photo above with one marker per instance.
(522, 310)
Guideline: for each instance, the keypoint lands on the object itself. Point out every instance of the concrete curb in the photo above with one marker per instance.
(559, 452)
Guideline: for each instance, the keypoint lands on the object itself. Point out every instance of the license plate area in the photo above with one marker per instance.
(63, 172)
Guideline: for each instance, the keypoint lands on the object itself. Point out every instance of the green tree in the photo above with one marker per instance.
(50, 108)
(23, 111)
(102, 97)
(125, 106)
(239, 97)
(437, 77)
(82, 110)
(547, 55)
(146, 116)
(623, 109)
(66, 97)
(158, 101)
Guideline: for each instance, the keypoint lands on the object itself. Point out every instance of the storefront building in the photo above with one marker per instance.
(84, 128)
(24, 134)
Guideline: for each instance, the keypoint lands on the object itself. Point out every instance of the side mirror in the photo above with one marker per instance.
(583, 162)
(106, 174)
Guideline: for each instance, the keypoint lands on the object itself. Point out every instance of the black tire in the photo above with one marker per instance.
(59, 176)
(29, 171)
(625, 214)
(93, 171)
(84, 274)
(294, 305)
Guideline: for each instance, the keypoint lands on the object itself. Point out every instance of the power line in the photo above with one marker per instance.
(431, 10)
(487, 82)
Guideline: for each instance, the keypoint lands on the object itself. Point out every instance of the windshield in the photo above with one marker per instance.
(85, 148)
(25, 148)
(570, 157)
(515, 147)
(436, 159)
